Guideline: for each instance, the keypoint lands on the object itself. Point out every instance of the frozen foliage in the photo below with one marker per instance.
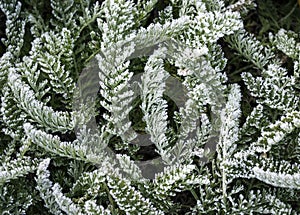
(153, 105)
(221, 157)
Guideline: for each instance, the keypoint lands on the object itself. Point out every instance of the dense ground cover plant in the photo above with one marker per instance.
(231, 147)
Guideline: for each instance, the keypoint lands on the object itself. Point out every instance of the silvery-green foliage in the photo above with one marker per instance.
(14, 33)
(274, 89)
(153, 105)
(174, 179)
(52, 195)
(224, 159)
(251, 49)
(288, 43)
(12, 169)
(114, 74)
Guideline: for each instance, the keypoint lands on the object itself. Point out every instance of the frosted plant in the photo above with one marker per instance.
(153, 105)
(81, 81)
